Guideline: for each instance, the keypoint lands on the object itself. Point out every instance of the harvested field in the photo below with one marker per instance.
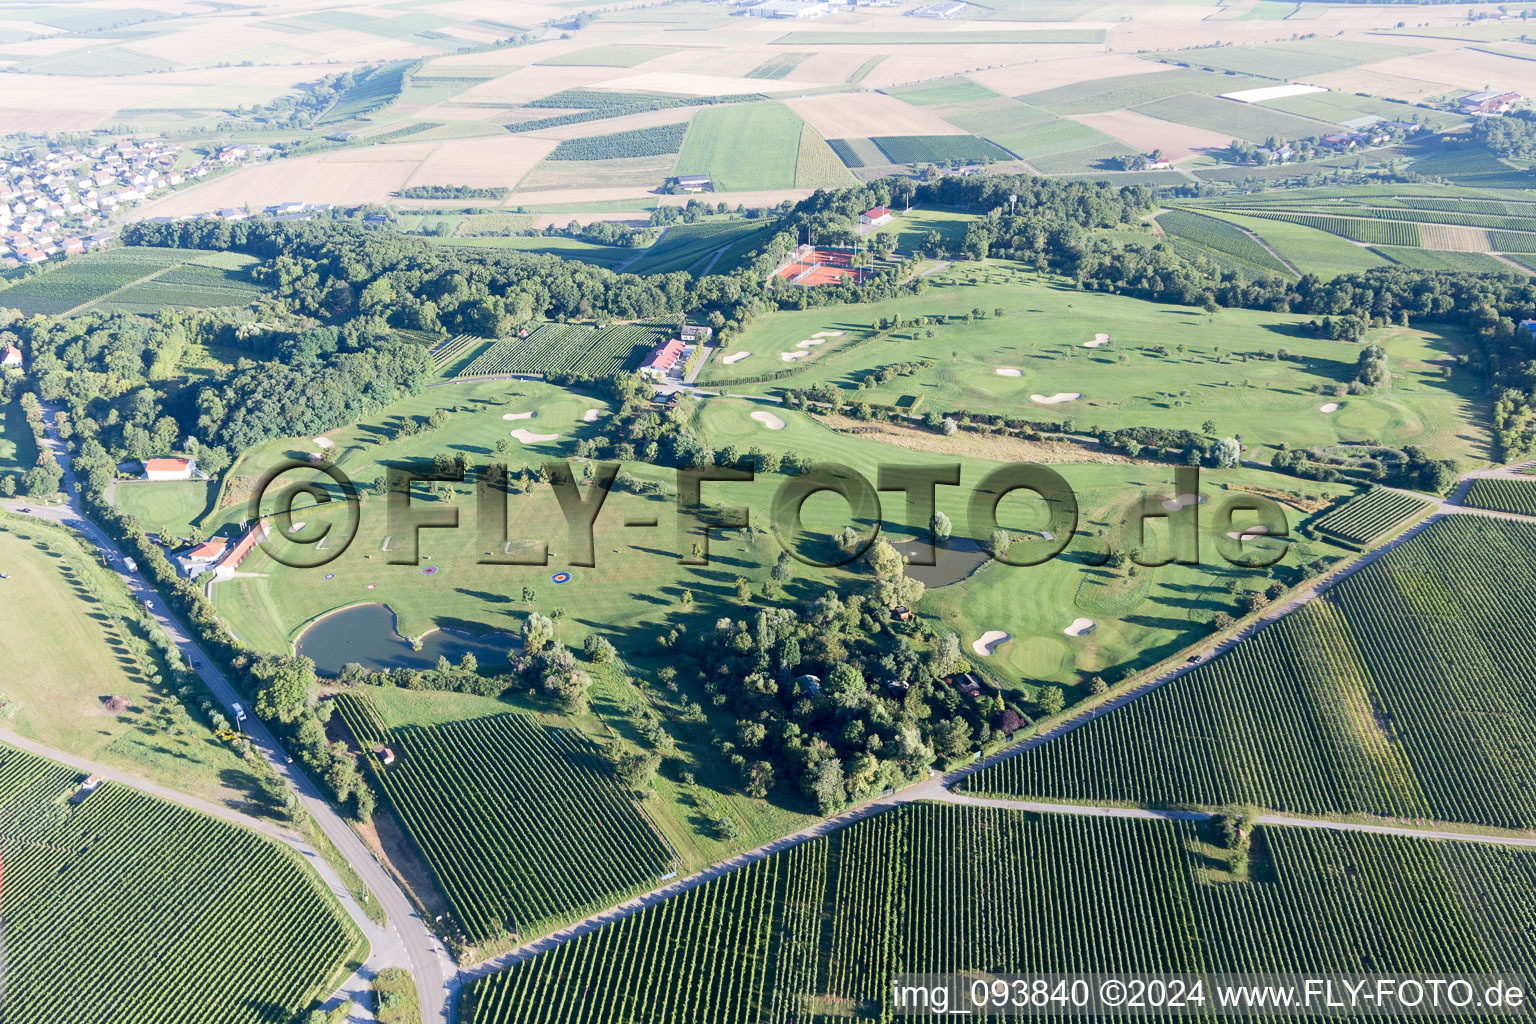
(682, 83)
(839, 116)
(342, 177)
(499, 161)
(1144, 134)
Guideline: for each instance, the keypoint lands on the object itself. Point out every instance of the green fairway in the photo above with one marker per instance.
(168, 507)
(1226, 373)
(743, 146)
(71, 643)
(635, 589)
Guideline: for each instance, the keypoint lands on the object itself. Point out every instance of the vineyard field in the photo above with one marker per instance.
(1369, 515)
(1356, 229)
(1408, 690)
(115, 887)
(522, 825)
(1220, 236)
(817, 932)
(1503, 495)
(570, 348)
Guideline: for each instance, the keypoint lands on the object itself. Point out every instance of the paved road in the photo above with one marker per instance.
(405, 941)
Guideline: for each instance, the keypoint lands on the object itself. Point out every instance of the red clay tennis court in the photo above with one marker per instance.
(824, 266)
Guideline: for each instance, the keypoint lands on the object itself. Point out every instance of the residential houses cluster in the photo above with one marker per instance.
(60, 199)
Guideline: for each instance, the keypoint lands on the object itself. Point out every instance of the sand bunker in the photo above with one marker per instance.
(768, 420)
(735, 358)
(518, 416)
(1099, 341)
(529, 437)
(590, 416)
(1060, 396)
(1080, 627)
(1183, 501)
(1009, 371)
(1330, 407)
(325, 442)
(808, 342)
(1249, 533)
(790, 357)
(990, 641)
(827, 334)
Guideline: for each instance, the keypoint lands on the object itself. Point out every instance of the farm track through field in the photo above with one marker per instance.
(939, 788)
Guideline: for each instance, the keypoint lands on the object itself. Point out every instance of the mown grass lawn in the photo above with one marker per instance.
(1042, 332)
(68, 646)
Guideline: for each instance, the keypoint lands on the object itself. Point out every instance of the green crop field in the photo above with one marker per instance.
(1405, 692)
(1503, 495)
(1356, 229)
(1221, 236)
(118, 886)
(1287, 60)
(943, 92)
(1236, 120)
(1372, 514)
(743, 146)
(1123, 91)
(946, 889)
(1049, 138)
(570, 348)
(817, 165)
(926, 149)
(523, 826)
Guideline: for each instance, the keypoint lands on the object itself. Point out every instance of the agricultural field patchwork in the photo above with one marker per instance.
(831, 921)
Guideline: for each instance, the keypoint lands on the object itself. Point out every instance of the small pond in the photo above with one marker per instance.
(366, 634)
(957, 558)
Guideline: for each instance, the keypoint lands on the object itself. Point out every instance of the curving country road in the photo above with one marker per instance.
(405, 941)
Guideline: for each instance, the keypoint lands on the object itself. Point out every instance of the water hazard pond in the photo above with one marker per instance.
(365, 634)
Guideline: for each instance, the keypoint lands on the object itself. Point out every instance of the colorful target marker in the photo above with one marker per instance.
(560, 577)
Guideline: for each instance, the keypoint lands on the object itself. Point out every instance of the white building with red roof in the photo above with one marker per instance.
(169, 469)
(879, 215)
(660, 362)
